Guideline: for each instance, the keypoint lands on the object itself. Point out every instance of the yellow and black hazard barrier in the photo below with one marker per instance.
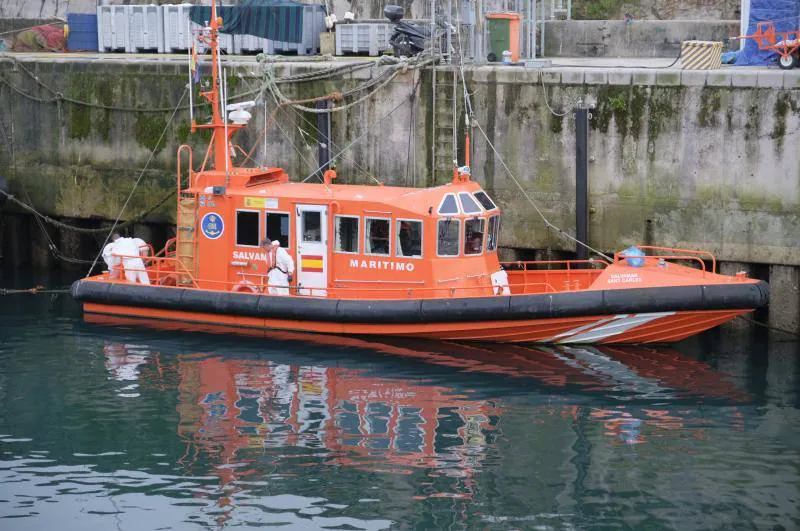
(701, 55)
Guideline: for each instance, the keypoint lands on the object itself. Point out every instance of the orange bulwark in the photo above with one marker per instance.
(396, 261)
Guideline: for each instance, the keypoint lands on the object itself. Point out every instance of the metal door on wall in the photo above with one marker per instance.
(312, 250)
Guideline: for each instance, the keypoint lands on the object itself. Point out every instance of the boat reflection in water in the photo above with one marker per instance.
(304, 401)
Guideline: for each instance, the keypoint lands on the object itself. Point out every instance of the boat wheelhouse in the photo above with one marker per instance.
(395, 261)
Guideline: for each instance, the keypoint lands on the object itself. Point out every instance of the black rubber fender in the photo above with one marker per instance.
(492, 308)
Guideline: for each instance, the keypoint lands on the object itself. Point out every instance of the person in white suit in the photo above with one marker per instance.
(280, 268)
(128, 252)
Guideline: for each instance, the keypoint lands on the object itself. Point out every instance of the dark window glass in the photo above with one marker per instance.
(377, 236)
(247, 228)
(447, 244)
(449, 205)
(278, 228)
(494, 229)
(409, 238)
(346, 234)
(468, 204)
(473, 236)
(484, 200)
(312, 226)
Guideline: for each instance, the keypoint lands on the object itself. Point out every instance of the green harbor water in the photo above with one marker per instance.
(125, 428)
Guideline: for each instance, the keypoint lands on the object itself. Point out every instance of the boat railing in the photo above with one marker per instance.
(162, 270)
(567, 265)
(188, 149)
(169, 248)
(165, 271)
(572, 275)
(688, 255)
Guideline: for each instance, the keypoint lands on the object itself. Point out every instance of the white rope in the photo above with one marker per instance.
(544, 91)
(138, 180)
(546, 221)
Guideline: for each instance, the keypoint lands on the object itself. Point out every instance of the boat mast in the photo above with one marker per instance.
(222, 131)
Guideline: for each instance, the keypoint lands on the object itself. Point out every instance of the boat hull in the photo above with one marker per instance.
(635, 316)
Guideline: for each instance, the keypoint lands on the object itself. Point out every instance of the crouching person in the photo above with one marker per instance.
(128, 252)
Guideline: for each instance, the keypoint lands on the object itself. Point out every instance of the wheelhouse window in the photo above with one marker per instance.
(376, 235)
(247, 228)
(494, 230)
(311, 226)
(473, 236)
(277, 226)
(346, 234)
(484, 200)
(409, 238)
(447, 242)
(449, 205)
(468, 204)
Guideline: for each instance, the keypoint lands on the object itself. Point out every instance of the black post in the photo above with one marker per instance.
(323, 137)
(581, 181)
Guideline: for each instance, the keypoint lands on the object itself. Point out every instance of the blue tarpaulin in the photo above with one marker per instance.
(786, 16)
(279, 20)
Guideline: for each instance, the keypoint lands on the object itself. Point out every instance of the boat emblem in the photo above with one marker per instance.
(212, 226)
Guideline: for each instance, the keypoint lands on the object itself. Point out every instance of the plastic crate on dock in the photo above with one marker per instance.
(112, 28)
(371, 38)
(176, 27)
(146, 28)
(82, 32)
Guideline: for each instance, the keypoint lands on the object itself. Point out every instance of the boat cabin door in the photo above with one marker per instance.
(312, 250)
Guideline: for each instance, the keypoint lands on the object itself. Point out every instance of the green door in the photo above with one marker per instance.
(499, 36)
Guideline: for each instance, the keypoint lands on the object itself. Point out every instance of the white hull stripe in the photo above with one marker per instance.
(618, 325)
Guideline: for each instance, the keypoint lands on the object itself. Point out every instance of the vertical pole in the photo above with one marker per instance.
(480, 47)
(533, 31)
(189, 42)
(541, 30)
(323, 137)
(581, 180)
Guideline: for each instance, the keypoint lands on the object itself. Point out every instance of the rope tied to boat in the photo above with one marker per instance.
(33, 291)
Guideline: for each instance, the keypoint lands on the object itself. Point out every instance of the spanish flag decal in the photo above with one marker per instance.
(311, 264)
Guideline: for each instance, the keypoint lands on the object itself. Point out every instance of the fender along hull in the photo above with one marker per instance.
(622, 316)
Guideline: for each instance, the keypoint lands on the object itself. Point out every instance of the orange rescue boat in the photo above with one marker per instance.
(396, 261)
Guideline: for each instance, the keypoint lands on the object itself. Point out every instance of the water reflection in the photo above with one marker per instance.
(234, 408)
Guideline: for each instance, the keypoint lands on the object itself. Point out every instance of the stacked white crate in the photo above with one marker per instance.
(112, 28)
(164, 28)
(372, 38)
(145, 28)
(176, 27)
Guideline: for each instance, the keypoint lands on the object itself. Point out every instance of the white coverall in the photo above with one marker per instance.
(111, 261)
(279, 265)
(129, 250)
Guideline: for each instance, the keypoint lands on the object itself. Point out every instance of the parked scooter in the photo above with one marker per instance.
(408, 38)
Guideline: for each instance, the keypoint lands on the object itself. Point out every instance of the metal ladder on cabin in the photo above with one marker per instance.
(445, 123)
(186, 238)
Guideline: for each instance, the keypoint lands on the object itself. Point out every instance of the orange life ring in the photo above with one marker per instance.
(245, 286)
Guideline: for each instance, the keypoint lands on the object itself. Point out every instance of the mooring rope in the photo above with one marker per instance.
(85, 230)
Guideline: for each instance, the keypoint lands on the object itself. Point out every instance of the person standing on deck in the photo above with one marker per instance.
(280, 268)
